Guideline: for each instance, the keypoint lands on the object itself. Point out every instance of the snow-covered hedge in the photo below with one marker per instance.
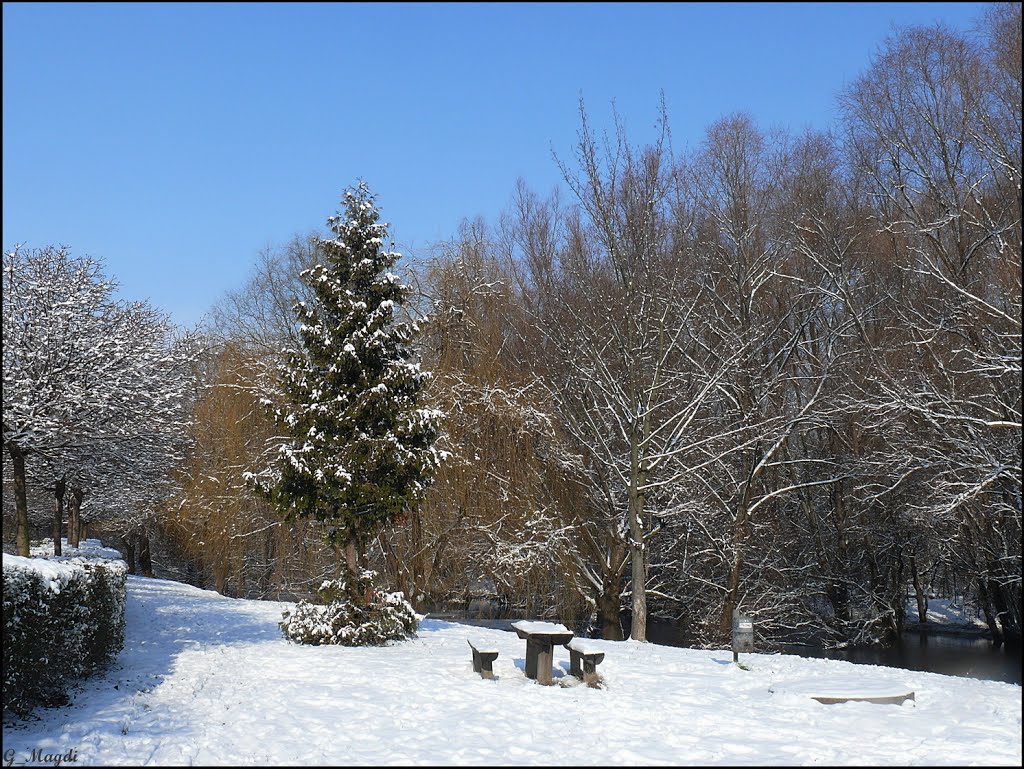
(351, 615)
(63, 617)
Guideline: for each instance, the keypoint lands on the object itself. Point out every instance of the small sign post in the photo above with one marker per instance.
(742, 634)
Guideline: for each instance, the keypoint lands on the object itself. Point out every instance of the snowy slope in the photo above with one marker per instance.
(205, 679)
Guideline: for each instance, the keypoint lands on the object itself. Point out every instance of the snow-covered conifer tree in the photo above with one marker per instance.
(360, 448)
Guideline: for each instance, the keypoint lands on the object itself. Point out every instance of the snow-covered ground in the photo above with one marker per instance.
(205, 679)
(88, 548)
(948, 612)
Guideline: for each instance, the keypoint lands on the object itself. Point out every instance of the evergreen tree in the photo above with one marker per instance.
(360, 448)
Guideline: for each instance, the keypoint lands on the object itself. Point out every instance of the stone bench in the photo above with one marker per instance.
(583, 659)
(483, 659)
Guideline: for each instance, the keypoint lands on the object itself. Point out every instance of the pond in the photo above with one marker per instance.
(953, 655)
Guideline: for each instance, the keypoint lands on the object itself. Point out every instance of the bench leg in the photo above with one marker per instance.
(574, 663)
(483, 665)
(486, 669)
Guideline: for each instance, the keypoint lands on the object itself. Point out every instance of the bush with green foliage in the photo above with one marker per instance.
(351, 614)
(63, 619)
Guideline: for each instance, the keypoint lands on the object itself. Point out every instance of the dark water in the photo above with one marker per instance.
(967, 656)
(951, 655)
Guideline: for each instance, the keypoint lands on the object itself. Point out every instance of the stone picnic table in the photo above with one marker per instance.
(541, 638)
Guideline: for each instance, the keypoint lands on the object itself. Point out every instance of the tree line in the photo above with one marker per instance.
(96, 393)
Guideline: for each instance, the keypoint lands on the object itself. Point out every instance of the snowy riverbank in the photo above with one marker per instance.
(205, 679)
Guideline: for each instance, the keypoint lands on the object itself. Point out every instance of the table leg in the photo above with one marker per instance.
(533, 649)
(545, 661)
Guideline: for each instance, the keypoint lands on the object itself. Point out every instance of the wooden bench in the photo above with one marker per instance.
(583, 659)
(483, 659)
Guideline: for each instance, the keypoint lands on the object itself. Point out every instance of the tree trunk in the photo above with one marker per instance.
(990, 617)
(418, 586)
(637, 554)
(352, 556)
(75, 516)
(1002, 610)
(145, 558)
(20, 499)
(220, 575)
(922, 599)
(739, 542)
(839, 596)
(58, 515)
(732, 592)
(638, 628)
(128, 542)
(608, 610)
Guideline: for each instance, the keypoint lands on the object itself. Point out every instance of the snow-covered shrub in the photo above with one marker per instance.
(351, 615)
(63, 618)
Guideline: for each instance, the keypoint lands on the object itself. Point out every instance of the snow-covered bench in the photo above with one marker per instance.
(583, 658)
(836, 689)
(881, 693)
(483, 658)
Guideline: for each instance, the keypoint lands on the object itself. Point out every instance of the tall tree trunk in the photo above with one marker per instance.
(145, 558)
(638, 629)
(58, 514)
(20, 499)
(637, 554)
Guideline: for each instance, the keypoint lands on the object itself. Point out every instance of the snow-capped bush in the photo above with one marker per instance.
(63, 618)
(351, 615)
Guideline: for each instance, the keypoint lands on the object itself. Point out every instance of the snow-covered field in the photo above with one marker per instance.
(205, 679)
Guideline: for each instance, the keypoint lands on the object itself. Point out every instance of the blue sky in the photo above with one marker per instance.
(177, 140)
